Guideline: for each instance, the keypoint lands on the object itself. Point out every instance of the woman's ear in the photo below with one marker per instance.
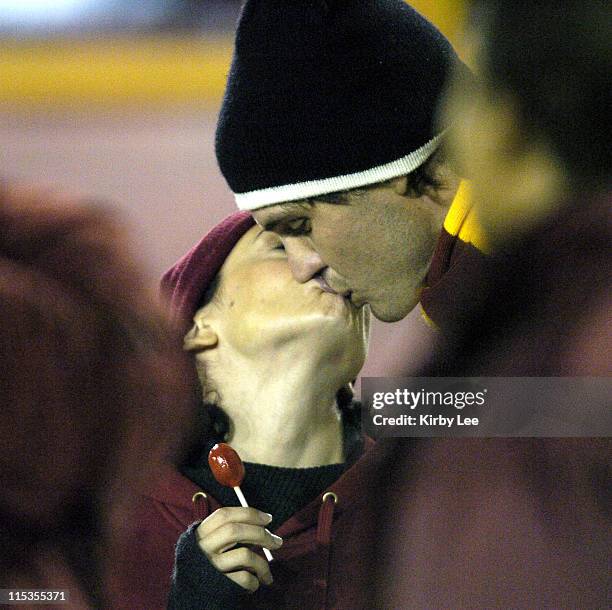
(202, 336)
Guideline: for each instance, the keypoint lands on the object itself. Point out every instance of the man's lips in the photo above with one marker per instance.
(327, 288)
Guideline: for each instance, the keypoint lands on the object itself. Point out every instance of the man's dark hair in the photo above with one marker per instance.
(556, 60)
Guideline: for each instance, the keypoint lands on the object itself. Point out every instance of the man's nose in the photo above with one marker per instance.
(304, 261)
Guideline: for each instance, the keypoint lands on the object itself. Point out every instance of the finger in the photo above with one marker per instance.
(232, 514)
(230, 534)
(245, 579)
(243, 559)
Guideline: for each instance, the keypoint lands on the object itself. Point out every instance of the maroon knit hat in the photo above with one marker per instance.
(185, 283)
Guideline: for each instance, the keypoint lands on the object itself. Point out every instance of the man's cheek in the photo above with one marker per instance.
(330, 239)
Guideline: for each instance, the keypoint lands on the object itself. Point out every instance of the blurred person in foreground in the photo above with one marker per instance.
(275, 359)
(92, 386)
(522, 523)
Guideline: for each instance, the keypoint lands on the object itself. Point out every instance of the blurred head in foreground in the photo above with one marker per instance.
(92, 386)
(534, 131)
(522, 522)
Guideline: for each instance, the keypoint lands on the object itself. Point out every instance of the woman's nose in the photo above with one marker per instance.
(304, 261)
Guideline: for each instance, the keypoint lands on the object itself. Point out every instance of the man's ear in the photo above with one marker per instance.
(400, 185)
(202, 336)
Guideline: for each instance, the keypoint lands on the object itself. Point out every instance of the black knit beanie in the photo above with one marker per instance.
(328, 95)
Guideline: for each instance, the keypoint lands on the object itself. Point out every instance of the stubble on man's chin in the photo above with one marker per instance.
(396, 309)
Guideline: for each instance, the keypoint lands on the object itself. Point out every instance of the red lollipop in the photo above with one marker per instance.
(228, 469)
(226, 465)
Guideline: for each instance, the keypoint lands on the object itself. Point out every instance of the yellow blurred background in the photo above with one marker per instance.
(169, 69)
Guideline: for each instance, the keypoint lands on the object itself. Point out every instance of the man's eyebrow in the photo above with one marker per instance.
(289, 209)
(271, 225)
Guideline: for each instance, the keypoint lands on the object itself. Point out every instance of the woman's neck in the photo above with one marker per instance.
(283, 411)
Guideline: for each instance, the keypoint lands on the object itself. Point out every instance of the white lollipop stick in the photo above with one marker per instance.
(244, 503)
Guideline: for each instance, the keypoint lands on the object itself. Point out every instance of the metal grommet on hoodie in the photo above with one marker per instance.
(201, 507)
(329, 494)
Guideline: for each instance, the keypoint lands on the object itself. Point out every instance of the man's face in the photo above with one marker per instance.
(376, 246)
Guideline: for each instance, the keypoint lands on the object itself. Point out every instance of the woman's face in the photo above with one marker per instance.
(260, 309)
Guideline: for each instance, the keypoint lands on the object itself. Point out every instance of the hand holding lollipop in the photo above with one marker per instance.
(228, 469)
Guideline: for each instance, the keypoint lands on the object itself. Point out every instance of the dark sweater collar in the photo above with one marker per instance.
(174, 490)
(272, 489)
(277, 490)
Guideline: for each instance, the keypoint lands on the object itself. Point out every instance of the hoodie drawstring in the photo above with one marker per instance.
(323, 538)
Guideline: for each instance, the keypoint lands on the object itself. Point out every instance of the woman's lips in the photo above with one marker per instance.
(324, 285)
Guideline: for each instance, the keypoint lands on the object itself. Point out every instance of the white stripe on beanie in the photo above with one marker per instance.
(253, 200)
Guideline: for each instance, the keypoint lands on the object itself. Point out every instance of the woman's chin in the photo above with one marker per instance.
(336, 306)
(328, 325)
(339, 323)
(335, 340)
